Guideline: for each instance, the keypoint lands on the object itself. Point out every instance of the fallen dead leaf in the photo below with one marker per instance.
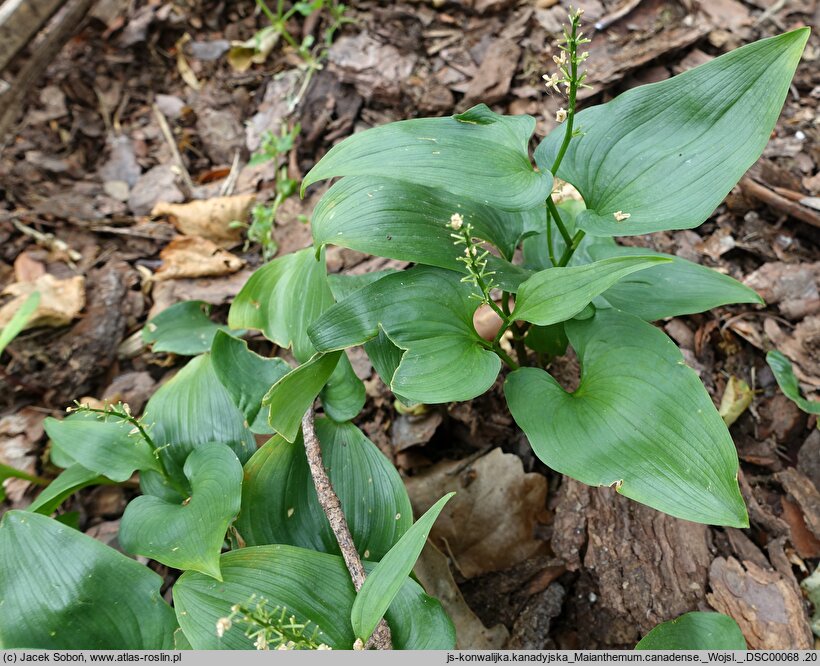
(767, 608)
(801, 346)
(216, 291)
(254, 51)
(194, 257)
(736, 399)
(60, 300)
(19, 437)
(792, 287)
(433, 571)
(209, 218)
(489, 525)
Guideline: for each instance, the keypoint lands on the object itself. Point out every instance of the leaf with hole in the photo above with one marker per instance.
(640, 421)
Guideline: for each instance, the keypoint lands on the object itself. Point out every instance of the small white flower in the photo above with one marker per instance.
(456, 221)
(223, 624)
(620, 216)
(261, 643)
(561, 59)
(359, 644)
(552, 81)
(322, 646)
(560, 115)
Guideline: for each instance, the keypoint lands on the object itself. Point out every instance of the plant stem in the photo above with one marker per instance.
(572, 45)
(559, 222)
(332, 507)
(550, 249)
(576, 241)
(505, 356)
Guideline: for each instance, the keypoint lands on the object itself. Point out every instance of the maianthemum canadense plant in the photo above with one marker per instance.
(258, 532)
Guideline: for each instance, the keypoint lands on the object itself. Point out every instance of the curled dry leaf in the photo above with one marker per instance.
(209, 218)
(60, 300)
(193, 257)
(736, 399)
(489, 525)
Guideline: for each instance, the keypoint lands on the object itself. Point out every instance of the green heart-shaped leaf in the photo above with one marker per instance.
(477, 155)
(63, 590)
(247, 377)
(557, 294)
(290, 397)
(314, 587)
(100, 443)
(429, 313)
(344, 395)
(279, 503)
(671, 289)
(383, 583)
(640, 421)
(401, 220)
(695, 631)
(668, 153)
(184, 328)
(268, 301)
(188, 535)
(193, 409)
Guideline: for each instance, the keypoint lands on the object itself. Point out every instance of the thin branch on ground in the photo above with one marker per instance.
(332, 507)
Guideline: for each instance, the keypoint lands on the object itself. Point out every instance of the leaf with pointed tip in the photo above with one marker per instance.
(268, 301)
(184, 328)
(401, 220)
(290, 397)
(193, 409)
(384, 582)
(102, 444)
(445, 359)
(19, 320)
(188, 535)
(343, 396)
(557, 294)
(313, 587)
(476, 155)
(247, 377)
(279, 503)
(69, 481)
(783, 373)
(63, 590)
(668, 153)
(695, 631)
(668, 290)
(640, 420)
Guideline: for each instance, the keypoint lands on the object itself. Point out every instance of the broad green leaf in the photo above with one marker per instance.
(343, 285)
(66, 484)
(668, 153)
(279, 503)
(640, 421)
(384, 582)
(557, 294)
(400, 220)
(102, 444)
(282, 299)
(247, 377)
(534, 247)
(695, 631)
(193, 409)
(477, 155)
(63, 590)
(290, 397)
(343, 396)
(676, 288)
(550, 339)
(427, 312)
(314, 587)
(783, 373)
(188, 535)
(184, 328)
(19, 320)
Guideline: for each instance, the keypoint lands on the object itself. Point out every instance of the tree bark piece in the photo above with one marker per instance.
(649, 567)
(19, 22)
(332, 507)
(768, 610)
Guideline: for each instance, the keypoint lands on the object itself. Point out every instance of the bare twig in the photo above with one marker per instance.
(332, 507)
(780, 203)
(230, 182)
(187, 183)
(48, 241)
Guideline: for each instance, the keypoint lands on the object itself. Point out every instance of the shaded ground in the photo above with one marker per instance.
(542, 561)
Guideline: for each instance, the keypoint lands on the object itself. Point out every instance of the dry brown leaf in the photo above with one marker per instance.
(209, 218)
(489, 525)
(60, 300)
(19, 437)
(193, 257)
(433, 571)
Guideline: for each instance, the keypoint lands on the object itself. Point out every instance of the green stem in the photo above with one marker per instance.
(505, 356)
(576, 241)
(550, 249)
(572, 45)
(559, 222)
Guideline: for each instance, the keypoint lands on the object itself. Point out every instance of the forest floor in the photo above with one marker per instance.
(522, 557)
